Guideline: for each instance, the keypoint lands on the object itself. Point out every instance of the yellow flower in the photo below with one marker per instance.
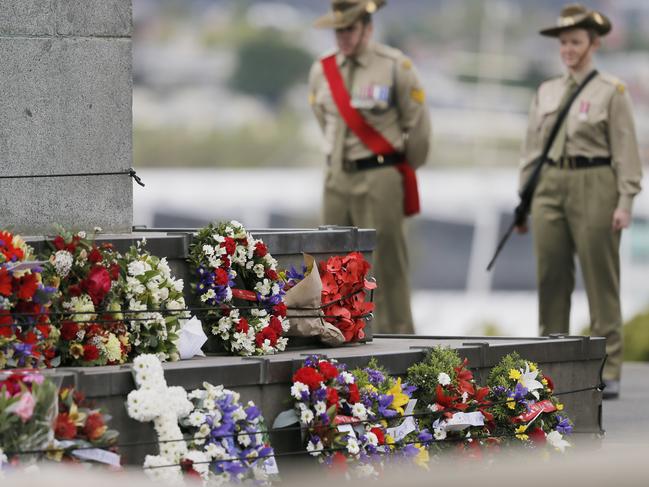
(514, 374)
(511, 404)
(399, 399)
(422, 457)
(371, 388)
(520, 433)
(544, 381)
(559, 406)
(532, 366)
(389, 440)
(78, 418)
(76, 350)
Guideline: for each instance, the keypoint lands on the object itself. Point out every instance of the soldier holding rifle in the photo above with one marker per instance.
(584, 192)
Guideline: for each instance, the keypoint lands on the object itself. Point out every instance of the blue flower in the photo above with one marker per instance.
(564, 427)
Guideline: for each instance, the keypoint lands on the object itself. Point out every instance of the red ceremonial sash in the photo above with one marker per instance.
(371, 137)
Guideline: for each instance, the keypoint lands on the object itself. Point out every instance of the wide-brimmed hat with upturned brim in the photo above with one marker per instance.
(576, 16)
(345, 12)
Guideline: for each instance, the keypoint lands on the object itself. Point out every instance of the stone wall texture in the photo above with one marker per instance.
(65, 108)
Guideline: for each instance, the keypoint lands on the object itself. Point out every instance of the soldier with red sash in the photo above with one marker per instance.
(370, 105)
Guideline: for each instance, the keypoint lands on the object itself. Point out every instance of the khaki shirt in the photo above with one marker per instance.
(599, 124)
(386, 90)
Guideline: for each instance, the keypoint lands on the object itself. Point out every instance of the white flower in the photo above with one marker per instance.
(439, 433)
(82, 234)
(178, 285)
(196, 418)
(200, 463)
(306, 416)
(314, 449)
(347, 377)
(134, 285)
(163, 267)
(136, 268)
(259, 270)
(556, 440)
(352, 445)
(239, 414)
(208, 249)
(433, 407)
(215, 451)
(320, 407)
(443, 379)
(528, 380)
(244, 439)
(372, 439)
(297, 389)
(465, 396)
(359, 411)
(263, 287)
(210, 294)
(63, 261)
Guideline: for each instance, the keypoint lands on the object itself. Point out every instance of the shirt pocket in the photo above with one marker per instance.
(547, 114)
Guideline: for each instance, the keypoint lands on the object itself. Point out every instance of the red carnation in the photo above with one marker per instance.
(221, 277)
(280, 310)
(90, 353)
(95, 426)
(328, 370)
(537, 435)
(378, 432)
(59, 242)
(272, 275)
(332, 397)
(5, 282)
(230, 245)
(266, 334)
(276, 325)
(114, 271)
(242, 326)
(69, 330)
(97, 284)
(354, 396)
(309, 377)
(260, 249)
(44, 330)
(95, 256)
(64, 428)
(28, 286)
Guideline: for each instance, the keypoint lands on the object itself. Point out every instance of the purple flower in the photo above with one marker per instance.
(375, 376)
(252, 413)
(384, 402)
(424, 436)
(320, 394)
(411, 450)
(408, 390)
(564, 427)
(499, 390)
(519, 392)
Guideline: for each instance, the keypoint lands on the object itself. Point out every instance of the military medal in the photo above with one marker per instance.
(584, 108)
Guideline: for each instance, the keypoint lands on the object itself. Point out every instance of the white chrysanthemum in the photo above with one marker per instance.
(157, 469)
(244, 439)
(443, 379)
(83, 306)
(201, 463)
(439, 433)
(215, 451)
(63, 261)
(352, 446)
(259, 270)
(306, 416)
(359, 411)
(315, 449)
(196, 418)
(320, 407)
(113, 348)
(372, 439)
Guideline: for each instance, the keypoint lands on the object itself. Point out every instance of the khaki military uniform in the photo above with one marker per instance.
(385, 88)
(572, 209)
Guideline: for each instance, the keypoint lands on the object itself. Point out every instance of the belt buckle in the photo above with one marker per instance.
(380, 159)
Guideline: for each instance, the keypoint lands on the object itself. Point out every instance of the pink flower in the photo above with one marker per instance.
(24, 408)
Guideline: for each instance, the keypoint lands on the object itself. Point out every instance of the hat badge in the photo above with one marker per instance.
(370, 8)
(566, 21)
(598, 18)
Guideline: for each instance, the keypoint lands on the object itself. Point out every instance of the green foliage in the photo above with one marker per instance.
(424, 374)
(269, 65)
(499, 375)
(636, 339)
(362, 378)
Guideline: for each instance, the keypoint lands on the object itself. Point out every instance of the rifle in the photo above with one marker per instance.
(527, 193)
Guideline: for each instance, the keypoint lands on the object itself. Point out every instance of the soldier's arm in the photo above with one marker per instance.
(624, 148)
(413, 112)
(315, 80)
(531, 146)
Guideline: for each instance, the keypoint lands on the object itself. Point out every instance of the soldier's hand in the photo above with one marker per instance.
(522, 229)
(621, 219)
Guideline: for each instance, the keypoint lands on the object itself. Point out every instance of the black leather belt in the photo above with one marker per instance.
(373, 162)
(580, 162)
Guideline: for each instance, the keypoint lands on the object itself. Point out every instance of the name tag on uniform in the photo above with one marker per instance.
(584, 108)
(370, 96)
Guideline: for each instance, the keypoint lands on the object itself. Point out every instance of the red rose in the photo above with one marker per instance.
(64, 428)
(242, 326)
(309, 377)
(354, 396)
(230, 245)
(537, 435)
(272, 275)
(75, 291)
(260, 249)
(276, 325)
(90, 353)
(59, 243)
(114, 271)
(225, 262)
(69, 330)
(280, 310)
(97, 284)
(95, 426)
(332, 397)
(221, 277)
(266, 334)
(328, 370)
(378, 432)
(95, 256)
(28, 286)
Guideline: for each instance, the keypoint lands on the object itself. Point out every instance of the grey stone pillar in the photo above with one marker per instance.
(65, 107)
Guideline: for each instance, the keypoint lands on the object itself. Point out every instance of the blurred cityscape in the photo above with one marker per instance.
(222, 130)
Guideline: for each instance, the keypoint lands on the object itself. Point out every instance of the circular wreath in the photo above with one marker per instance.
(235, 280)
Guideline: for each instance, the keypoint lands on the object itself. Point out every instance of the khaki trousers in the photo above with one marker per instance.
(572, 212)
(380, 207)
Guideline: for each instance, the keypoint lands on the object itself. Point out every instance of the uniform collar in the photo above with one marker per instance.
(578, 78)
(361, 58)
